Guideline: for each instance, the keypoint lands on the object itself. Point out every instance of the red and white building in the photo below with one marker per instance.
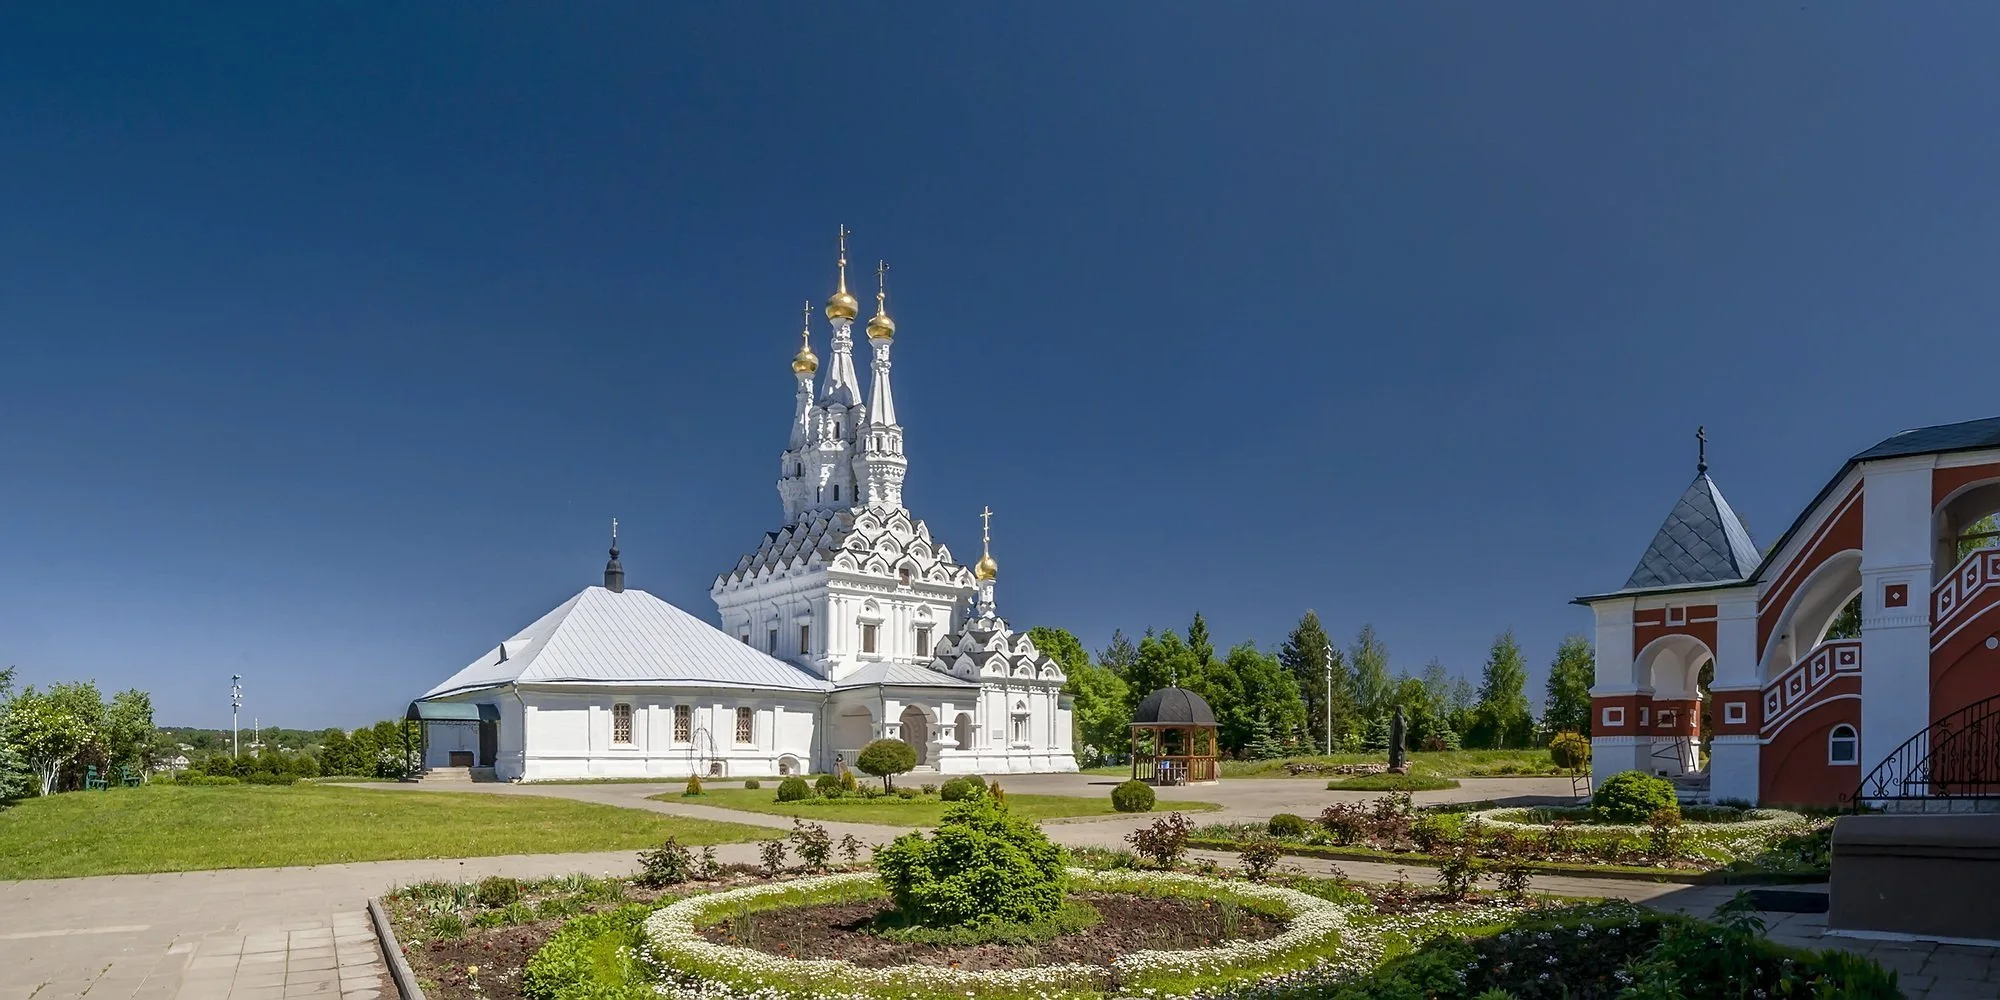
(1798, 716)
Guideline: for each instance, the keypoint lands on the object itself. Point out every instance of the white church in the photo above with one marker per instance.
(847, 624)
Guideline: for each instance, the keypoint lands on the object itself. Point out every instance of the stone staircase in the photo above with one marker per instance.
(1691, 789)
(456, 776)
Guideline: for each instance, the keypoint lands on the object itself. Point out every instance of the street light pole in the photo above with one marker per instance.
(235, 706)
(1329, 700)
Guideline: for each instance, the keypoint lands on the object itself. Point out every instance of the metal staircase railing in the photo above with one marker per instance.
(1956, 758)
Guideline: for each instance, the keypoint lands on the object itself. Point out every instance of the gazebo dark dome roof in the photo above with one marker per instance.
(1173, 706)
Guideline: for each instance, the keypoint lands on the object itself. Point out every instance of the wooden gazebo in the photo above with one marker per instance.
(1173, 739)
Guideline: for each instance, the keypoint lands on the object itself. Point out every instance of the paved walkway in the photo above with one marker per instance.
(284, 933)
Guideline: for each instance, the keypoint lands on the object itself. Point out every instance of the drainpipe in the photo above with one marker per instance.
(515, 690)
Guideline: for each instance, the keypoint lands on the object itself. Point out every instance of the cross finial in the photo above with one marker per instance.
(986, 530)
(1701, 451)
(614, 536)
(807, 327)
(844, 234)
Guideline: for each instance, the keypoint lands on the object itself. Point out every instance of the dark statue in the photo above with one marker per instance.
(1396, 730)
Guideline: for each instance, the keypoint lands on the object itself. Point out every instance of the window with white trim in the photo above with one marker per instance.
(805, 639)
(1736, 713)
(621, 723)
(1677, 615)
(923, 641)
(771, 641)
(1843, 745)
(744, 717)
(1614, 717)
(868, 637)
(683, 723)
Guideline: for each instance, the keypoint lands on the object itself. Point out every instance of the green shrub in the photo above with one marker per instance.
(206, 779)
(268, 778)
(1632, 797)
(1570, 751)
(671, 864)
(983, 865)
(885, 759)
(496, 891)
(1287, 825)
(906, 793)
(963, 788)
(847, 782)
(594, 957)
(1132, 796)
(828, 786)
(1071, 917)
(693, 785)
(929, 789)
(752, 784)
(794, 789)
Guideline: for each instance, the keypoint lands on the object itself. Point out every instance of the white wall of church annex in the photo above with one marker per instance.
(573, 734)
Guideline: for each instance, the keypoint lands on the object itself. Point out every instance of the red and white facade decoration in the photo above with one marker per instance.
(1797, 716)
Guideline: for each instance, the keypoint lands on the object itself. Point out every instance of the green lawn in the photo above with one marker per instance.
(924, 810)
(164, 828)
(1441, 764)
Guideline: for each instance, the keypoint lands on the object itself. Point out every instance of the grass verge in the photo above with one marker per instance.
(1390, 783)
(165, 828)
(890, 810)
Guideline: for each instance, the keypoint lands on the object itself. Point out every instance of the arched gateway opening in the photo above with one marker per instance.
(916, 731)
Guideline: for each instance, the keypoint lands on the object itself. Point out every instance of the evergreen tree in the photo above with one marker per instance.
(1567, 708)
(1437, 685)
(363, 753)
(1304, 656)
(1370, 661)
(16, 780)
(1119, 656)
(1265, 745)
(1502, 718)
(1375, 735)
(336, 753)
(1199, 643)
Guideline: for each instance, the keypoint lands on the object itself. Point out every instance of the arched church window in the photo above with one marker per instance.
(1843, 745)
(904, 575)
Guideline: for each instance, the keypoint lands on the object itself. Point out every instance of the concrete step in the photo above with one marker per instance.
(457, 775)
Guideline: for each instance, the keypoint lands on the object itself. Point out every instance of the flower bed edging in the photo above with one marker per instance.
(719, 970)
(1767, 819)
(1625, 873)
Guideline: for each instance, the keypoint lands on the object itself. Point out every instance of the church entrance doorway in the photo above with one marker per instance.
(916, 732)
(489, 742)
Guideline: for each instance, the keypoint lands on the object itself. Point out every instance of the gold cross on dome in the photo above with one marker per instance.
(986, 529)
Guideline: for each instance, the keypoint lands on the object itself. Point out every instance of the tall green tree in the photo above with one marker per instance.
(1567, 705)
(1163, 660)
(1437, 684)
(1252, 694)
(47, 732)
(129, 736)
(15, 778)
(1199, 643)
(1119, 656)
(1502, 718)
(1305, 655)
(1060, 645)
(1370, 661)
(1099, 720)
(1847, 624)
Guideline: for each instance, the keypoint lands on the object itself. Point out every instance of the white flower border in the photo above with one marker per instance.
(1764, 820)
(676, 941)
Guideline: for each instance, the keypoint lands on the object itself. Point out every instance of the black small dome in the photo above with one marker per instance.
(1173, 706)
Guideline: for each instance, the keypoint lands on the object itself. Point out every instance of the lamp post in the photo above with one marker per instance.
(235, 706)
(1329, 700)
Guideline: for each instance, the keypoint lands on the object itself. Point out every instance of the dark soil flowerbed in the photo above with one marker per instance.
(1131, 923)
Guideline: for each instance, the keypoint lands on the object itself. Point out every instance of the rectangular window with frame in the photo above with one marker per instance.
(621, 723)
(744, 730)
(771, 642)
(1614, 717)
(683, 723)
(923, 641)
(1736, 713)
(1645, 717)
(868, 637)
(805, 640)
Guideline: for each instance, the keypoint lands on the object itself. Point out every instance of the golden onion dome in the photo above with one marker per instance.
(881, 327)
(842, 305)
(806, 362)
(987, 569)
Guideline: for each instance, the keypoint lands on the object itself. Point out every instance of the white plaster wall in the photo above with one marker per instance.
(1895, 642)
(569, 733)
(1733, 768)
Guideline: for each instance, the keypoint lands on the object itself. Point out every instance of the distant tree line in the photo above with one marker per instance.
(1276, 703)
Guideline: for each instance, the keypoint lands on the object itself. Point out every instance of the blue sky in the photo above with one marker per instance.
(331, 336)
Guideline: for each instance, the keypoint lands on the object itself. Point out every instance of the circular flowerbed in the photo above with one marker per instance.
(1315, 932)
(1720, 818)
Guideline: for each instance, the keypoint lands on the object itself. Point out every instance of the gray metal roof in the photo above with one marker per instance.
(629, 637)
(1173, 706)
(1968, 435)
(1702, 541)
(451, 711)
(893, 674)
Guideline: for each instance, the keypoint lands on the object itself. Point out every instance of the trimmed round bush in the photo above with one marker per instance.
(1286, 825)
(885, 759)
(496, 891)
(1632, 797)
(1133, 796)
(752, 784)
(1570, 751)
(963, 788)
(828, 785)
(794, 789)
(984, 865)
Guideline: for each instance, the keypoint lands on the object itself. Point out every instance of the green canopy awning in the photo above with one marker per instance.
(452, 711)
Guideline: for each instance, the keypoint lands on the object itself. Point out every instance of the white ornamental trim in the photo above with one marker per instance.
(676, 943)
(1760, 820)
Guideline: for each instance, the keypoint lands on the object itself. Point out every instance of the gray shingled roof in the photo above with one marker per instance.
(1702, 541)
(1967, 435)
